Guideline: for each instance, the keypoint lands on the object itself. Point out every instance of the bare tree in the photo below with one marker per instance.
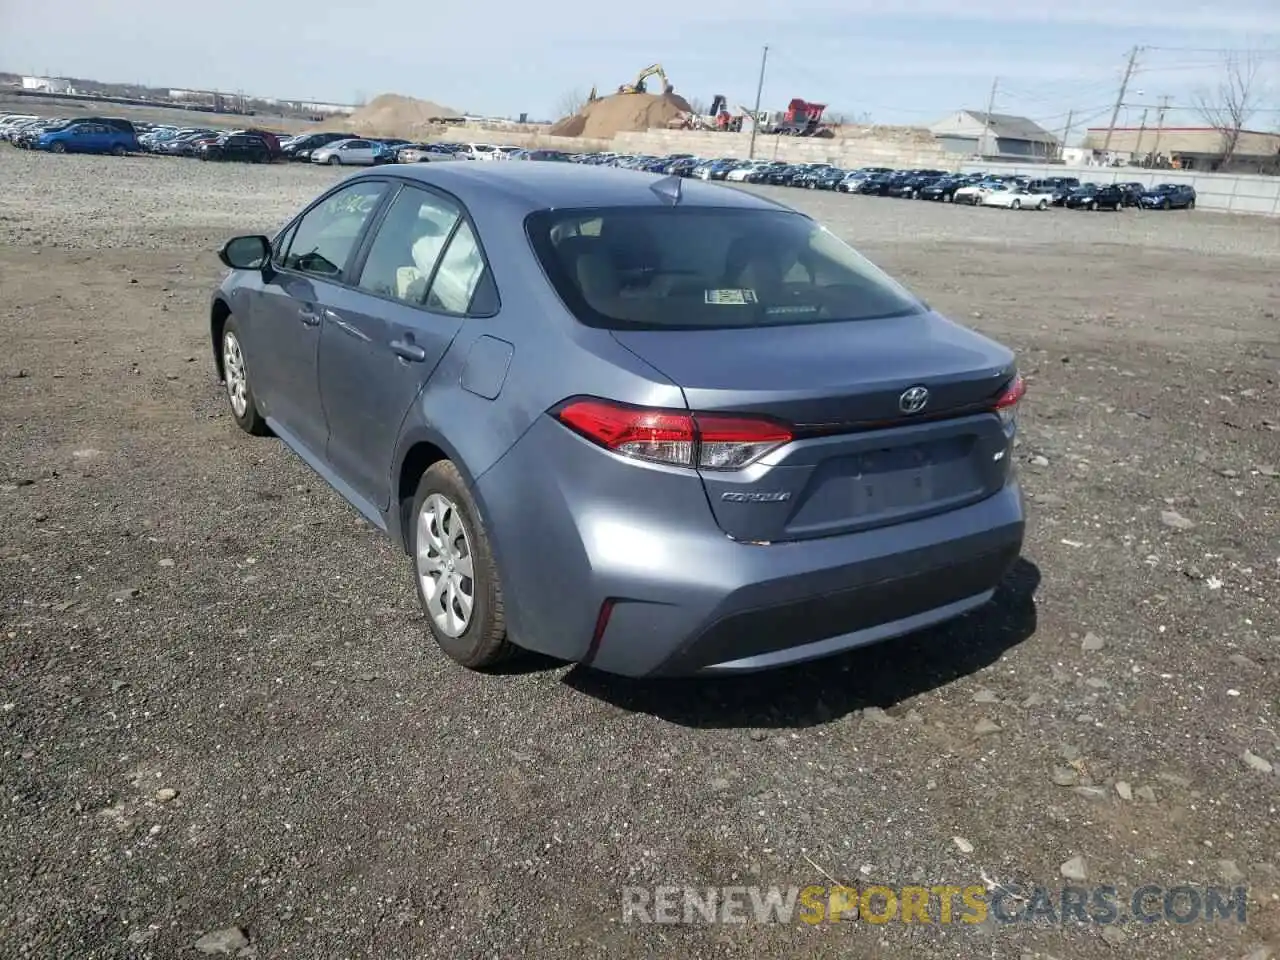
(571, 102)
(698, 106)
(1233, 104)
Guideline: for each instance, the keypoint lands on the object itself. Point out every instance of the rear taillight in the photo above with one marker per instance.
(1006, 404)
(679, 438)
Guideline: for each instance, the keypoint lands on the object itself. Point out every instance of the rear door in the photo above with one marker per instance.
(384, 339)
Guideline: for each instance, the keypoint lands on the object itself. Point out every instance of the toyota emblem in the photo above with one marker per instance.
(913, 400)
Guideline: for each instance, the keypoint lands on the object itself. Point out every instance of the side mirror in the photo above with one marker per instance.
(246, 253)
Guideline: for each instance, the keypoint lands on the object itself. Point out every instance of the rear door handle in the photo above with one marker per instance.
(309, 316)
(408, 351)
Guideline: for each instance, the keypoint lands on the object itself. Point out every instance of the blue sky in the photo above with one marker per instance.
(901, 61)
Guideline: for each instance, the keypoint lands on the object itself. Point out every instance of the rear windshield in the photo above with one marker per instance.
(663, 268)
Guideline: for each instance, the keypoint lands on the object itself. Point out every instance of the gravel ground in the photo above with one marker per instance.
(221, 712)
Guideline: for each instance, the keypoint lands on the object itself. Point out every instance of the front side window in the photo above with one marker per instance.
(325, 237)
(410, 239)
(705, 267)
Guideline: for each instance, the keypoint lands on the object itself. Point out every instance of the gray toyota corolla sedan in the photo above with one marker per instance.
(650, 425)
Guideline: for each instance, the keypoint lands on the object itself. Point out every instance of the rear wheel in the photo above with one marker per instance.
(1191, 204)
(1042, 205)
(456, 577)
(118, 151)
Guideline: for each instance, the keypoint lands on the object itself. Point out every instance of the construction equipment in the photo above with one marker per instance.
(803, 119)
(653, 70)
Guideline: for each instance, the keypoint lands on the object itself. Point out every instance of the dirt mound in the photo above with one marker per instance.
(621, 112)
(389, 114)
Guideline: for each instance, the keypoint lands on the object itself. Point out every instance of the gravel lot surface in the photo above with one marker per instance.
(221, 713)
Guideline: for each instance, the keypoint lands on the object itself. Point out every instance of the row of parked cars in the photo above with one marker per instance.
(1011, 191)
(980, 189)
(117, 136)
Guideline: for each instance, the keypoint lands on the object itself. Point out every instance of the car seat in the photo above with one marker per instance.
(587, 263)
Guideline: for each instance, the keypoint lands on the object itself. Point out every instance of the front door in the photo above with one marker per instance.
(383, 343)
(290, 312)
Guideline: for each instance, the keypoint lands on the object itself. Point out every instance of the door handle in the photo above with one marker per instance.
(309, 316)
(406, 350)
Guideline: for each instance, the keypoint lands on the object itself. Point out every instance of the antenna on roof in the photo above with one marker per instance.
(668, 190)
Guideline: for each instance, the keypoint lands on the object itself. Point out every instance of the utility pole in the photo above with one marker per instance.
(1066, 132)
(755, 119)
(1124, 86)
(1142, 128)
(991, 105)
(1160, 112)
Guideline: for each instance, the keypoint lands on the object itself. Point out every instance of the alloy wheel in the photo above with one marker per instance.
(446, 566)
(234, 373)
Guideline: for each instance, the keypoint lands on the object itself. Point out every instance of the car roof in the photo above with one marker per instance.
(538, 186)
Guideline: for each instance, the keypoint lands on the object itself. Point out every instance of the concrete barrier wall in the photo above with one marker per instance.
(1225, 192)
(845, 152)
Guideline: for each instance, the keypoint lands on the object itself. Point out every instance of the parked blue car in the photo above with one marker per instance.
(89, 137)
(653, 428)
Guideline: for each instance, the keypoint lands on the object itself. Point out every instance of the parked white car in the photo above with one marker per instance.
(972, 194)
(424, 153)
(1015, 198)
(506, 152)
(478, 151)
(357, 153)
(740, 174)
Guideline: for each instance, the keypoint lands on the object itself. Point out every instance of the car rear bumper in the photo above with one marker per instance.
(585, 539)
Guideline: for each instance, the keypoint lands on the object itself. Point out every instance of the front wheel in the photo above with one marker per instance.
(58, 147)
(235, 374)
(456, 577)
(335, 161)
(1093, 205)
(1017, 204)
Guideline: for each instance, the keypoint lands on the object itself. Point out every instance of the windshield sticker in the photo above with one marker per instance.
(738, 297)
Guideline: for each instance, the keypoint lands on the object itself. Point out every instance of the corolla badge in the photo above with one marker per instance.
(913, 400)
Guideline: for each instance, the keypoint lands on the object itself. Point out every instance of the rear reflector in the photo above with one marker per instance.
(1007, 403)
(675, 437)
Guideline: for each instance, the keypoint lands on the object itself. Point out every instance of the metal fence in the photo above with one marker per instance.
(1225, 192)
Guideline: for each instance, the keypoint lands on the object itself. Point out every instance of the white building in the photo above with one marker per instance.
(47, 85)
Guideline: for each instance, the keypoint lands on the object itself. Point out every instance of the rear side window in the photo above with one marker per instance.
(705, 267)
(410, 239)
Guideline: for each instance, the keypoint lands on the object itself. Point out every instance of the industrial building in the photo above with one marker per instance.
(1190, 148)
(995, 136)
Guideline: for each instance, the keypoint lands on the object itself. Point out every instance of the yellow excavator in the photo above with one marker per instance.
(653, 70)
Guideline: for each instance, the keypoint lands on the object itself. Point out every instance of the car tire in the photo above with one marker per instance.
(118, 151)
(947, 198)
(58, 147)
(1165, 205)
(446, 535)
(334, 161)
(1093, 205)
(235, 376)
(1191, 204)
(1042, 205)
(1017, 205)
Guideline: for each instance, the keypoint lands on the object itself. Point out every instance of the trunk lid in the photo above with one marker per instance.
(858, 461)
